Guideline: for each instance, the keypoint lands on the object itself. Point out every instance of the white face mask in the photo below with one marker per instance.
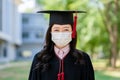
(61, 39)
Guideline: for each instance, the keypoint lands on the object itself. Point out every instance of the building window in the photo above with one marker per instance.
(25, 20)
(1, 51)
(39, 35)
(5, 52)
(25, 35)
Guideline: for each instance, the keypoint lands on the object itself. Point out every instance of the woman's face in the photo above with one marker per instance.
(61, 34)
(61, 28)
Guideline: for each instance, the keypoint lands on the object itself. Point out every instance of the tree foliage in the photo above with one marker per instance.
(92, 27)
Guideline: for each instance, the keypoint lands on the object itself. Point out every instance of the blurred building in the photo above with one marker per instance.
(34, 27)
(10, 29)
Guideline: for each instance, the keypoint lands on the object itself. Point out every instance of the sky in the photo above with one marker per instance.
(30, 4)
(26, 4)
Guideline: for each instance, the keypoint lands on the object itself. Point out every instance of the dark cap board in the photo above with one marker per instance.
(60, 17)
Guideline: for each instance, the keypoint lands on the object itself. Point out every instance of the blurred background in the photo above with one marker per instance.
(22, 34)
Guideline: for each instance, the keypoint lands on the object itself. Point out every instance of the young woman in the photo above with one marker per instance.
(59, 59)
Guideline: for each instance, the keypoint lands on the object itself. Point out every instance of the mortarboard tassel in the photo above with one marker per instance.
(61, 74)
(74, 26)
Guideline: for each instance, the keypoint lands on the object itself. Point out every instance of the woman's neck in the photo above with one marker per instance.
(61, 47)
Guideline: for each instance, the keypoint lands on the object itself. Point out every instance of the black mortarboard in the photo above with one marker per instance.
(62, 17)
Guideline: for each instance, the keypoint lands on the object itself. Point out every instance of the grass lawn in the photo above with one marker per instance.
(20, 71)
(106, 73)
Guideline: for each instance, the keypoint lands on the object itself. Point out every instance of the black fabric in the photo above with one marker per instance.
(61, 17)
(72, 71)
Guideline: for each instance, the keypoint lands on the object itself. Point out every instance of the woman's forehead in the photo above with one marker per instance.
(64, 25)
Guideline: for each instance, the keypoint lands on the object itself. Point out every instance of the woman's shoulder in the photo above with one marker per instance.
(36, 59)
(83, 53)
(86, 58)
(37, 54)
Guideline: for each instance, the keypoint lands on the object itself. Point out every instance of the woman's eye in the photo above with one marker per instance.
(66, 30)
(56, 30)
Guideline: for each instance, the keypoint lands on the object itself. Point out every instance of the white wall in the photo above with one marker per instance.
(10, 36)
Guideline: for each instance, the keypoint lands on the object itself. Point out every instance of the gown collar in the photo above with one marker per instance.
(61, 53)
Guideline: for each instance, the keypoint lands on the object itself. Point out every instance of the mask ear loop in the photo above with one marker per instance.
(74, 26)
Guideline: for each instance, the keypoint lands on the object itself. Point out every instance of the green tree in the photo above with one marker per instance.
(97, 29)
(111, 16)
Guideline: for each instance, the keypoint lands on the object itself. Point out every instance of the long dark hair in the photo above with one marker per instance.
(46, 54)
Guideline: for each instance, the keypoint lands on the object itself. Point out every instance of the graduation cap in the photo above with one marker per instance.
(63, 17)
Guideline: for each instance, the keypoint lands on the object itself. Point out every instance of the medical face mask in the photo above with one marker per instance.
(61, 39)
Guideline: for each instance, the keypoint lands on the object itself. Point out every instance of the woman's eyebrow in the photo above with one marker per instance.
(66, 27)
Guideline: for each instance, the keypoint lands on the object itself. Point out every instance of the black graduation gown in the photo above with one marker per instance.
(72, 71)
